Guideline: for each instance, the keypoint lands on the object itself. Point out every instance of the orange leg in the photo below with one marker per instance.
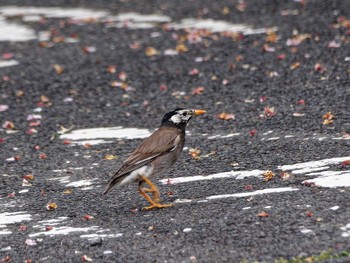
(154, 190)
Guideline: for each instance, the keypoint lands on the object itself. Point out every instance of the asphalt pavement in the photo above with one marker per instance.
(265, 173)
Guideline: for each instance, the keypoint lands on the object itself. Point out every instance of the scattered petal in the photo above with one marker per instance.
(8, 125)
(85, 258)
(111, 69)
(181, 48)
(89, 49)
(88, 217)
(328, 118)
(3, 107)
(30, 242)
(297, 114)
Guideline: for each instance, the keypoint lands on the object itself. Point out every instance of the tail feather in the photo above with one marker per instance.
(115, 180)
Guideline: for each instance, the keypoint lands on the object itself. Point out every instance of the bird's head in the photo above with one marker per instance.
(180, 117)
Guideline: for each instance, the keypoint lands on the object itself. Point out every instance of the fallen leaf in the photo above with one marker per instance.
(59, 70)
(67, 142)
(248, 187)
(263, 214)
(8, 125)
(48, 228)
(252, 132)
(345, 163)
(309, 214)
(225, 116)
(328, 118)
(181, 48)
(285, 175)
(51, 206)
(271, 37)
(110, 157)
(295, 65)
(111, 69)
(151, 51)
(198, 91)
(88, 217)
(319, 67)
(42, 156)
(85, 258)
(193, 72)
(89, 49)
(44, 99)
(67, 191)
(268, 175)
(269, 111)
(195, 153)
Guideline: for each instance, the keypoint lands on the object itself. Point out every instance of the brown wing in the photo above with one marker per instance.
(162, 141)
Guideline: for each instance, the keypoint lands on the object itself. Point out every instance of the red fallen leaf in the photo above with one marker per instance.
(11, 195)
(281, 56)
(87, 217)
(87, 145)
(308, 184)
(170, 193)
(345, 163)
(163, 87)
(17, 157)
(37, 147)
(111, 69)
(48, 228)
(328, 118)
(8, 125)
(319, 67)
(89, 49)
(252, 132)
(263, 214)
(7, 258)
(193, 72)
(225, 116)
(2, 140)
(85, 258)
(262, 99)
(66, 142)
(198, 91)
(28, 261)
(301, 102)
(309, 214)
(22, 228)
(42, 156)
(248, 187)
(7, 55)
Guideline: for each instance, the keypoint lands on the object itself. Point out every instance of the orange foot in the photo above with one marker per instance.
(155, 205)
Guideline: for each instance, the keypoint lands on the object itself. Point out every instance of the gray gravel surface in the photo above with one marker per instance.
(256, 77)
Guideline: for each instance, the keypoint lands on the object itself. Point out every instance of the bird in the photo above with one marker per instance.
(155, 155)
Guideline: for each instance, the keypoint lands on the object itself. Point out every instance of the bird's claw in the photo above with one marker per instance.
(157, 206)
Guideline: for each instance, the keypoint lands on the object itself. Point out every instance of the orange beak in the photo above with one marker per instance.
(199, 112)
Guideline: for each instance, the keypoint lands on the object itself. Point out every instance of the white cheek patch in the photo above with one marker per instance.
(145, 170)
(176, 118)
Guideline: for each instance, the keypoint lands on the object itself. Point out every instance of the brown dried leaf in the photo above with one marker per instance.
(59, 70)
(268, 175)
(263, 214)
(151, 51)
(110, 157)
(51, 206)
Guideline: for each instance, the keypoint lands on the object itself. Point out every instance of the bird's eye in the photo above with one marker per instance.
(184, 113)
